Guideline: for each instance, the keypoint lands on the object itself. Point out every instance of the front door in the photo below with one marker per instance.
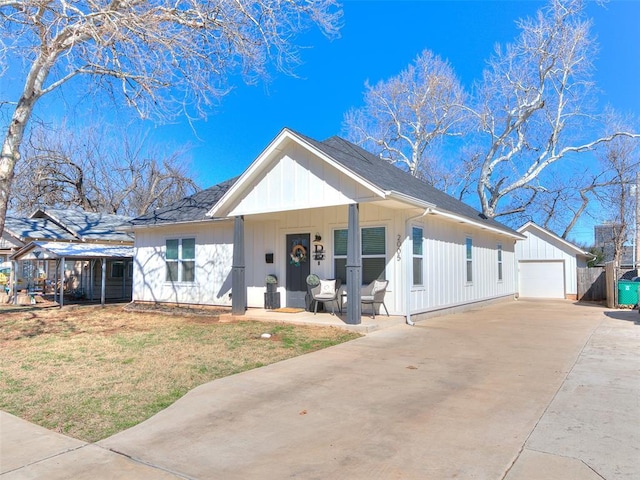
(298, 268)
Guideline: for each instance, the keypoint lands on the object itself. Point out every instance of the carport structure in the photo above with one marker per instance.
(89, 253)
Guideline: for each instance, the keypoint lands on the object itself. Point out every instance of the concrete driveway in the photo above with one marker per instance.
(517, 390)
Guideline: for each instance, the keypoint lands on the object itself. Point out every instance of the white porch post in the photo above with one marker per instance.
(354, 267)
(238, 284)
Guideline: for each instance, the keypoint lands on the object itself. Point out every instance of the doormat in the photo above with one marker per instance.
(288, 310)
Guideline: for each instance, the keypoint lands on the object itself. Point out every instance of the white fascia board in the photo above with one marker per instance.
(544, 231)
(133, 228)
(468, 221)
(404, 198)
(266, 156)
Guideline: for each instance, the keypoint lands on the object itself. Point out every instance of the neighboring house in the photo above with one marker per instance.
(604, 236)
(69, 245)
(294, 211)
(547, 264)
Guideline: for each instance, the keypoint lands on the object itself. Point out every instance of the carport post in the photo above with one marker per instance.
(103, 289)
(354, 267)
(13, 281)
(62, 282)
(92, 280)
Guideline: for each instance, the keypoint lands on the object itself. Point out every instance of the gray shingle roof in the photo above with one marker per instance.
(387, 177)
(27, 229)
(89, 226)
(190, 209)
(354, 158)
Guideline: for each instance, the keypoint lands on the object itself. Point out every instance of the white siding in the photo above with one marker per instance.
(543, 247)
(444, 261)
(299, 180)
(214, 255)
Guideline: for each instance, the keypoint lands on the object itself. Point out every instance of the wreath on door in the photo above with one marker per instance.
(298, 254)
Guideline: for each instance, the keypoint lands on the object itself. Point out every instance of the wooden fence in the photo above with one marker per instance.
(592, 285)
(596, 284)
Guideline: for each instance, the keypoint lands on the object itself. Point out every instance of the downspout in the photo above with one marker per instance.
(409, 272)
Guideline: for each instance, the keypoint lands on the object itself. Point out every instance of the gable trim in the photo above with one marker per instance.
(222, 207)
(544, 231)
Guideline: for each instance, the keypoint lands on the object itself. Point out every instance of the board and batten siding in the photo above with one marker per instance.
(300, 180)
(537, 247)
(269, 236)
(214, 255)
(444, 258)
(445, 283)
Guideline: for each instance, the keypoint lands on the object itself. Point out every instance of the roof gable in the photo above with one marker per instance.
(553, 238)
(293, 173)
(88, 226)
(369, 171)
(27, 229)
(357, 176)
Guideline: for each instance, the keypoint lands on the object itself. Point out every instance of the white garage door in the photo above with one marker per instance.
(542, 279)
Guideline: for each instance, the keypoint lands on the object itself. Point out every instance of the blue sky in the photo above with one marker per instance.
(380, 38)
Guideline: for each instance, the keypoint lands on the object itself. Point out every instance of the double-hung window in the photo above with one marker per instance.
(469, 258)
(417, 255)
(180, 258)
(374, 254)
(499, 262)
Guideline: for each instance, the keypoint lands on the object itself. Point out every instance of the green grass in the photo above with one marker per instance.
(92, 372)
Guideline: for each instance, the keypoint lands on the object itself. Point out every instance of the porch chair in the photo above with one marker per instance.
(374, 294)
(326, 291)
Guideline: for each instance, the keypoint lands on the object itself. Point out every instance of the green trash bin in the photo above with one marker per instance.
(627, 292)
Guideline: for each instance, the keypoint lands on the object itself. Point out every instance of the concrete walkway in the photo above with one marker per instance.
(518, 390)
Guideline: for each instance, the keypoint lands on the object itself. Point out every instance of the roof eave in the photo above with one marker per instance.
(133, 228)
(465, 220)
(404, 198)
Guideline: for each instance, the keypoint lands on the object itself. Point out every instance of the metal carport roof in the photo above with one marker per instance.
(40, 250)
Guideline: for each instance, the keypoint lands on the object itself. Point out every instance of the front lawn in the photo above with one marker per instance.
(89, 372)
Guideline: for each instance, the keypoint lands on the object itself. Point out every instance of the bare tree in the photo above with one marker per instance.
(532, 104)
(163, 56)
(98, 169)
(404, 117)
(621, 160)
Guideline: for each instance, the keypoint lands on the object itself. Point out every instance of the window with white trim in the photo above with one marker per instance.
(374, 254)
(416, 235)
(180, 257)
(469, 258)
(499, 262)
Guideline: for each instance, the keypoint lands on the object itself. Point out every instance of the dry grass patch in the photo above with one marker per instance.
(91, 372)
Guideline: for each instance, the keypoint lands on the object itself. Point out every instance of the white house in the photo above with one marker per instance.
(548, 264)
(354, 217)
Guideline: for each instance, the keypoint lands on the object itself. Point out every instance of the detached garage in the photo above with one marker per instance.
(547, 264)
